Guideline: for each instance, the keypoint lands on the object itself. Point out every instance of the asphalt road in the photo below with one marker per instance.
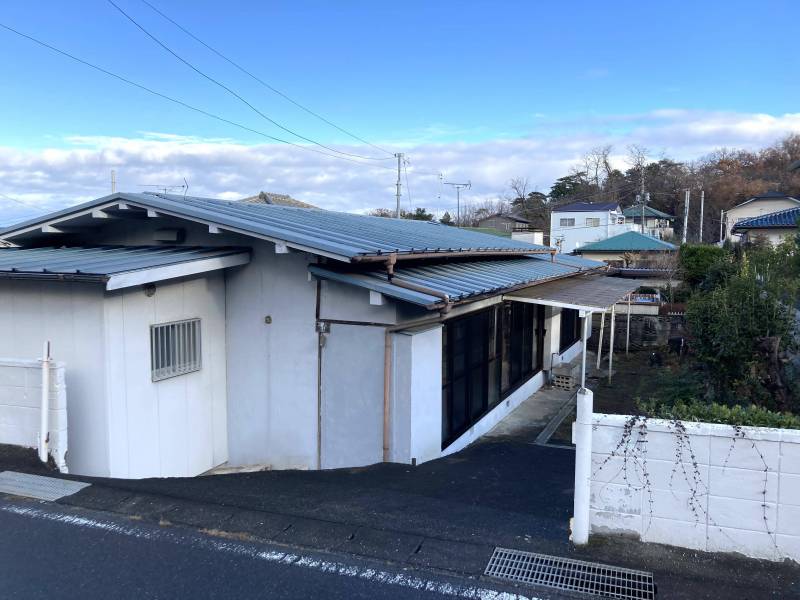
(50, 552)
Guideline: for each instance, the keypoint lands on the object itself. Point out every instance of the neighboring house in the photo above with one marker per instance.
(198, 332)
(579, 223)
(773, 227)
(629, 249)
(277, 199)
(505, 223)
(755, 207)
(657, 224)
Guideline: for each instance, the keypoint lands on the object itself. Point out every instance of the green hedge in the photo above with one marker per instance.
(750, 415)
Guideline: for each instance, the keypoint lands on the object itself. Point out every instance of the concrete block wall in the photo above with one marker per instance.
(697, 485)
(20, 402)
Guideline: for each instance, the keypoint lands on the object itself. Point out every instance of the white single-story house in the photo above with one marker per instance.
(200, 332)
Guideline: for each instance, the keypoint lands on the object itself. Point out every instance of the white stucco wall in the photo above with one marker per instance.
(581, 234)
(352, 396)
(416, 395)
(70, 315)
(176, 426)
(20, 406)
(742, 496)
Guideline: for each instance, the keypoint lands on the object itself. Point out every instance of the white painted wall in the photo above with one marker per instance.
(70, 315)
(20, 406)
(416, 397)
(352, 396)
(176, 426)
(743, 496)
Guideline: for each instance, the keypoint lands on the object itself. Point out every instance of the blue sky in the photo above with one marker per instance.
(436, 79)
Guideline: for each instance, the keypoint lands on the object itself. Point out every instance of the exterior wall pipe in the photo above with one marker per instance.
(387, 392)
(582, 438)
(44, 417)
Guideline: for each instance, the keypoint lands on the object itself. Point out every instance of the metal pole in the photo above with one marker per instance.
(628, 327)
(702, 203)
(582, 438)
(600, 341)
(685, 216)
(458, 206)
(721, 224)
(611, 343)
(399, 156)
(113, 181)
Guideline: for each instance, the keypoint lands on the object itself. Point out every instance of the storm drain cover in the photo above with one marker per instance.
(567, 574)
(38, 486)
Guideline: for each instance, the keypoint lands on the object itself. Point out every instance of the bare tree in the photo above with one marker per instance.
(519, 188)
(597, 166)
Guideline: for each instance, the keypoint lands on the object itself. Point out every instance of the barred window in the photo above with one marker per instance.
(175, 348)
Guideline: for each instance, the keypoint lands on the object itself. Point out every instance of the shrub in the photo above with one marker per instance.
(696, 259)
(700, 411)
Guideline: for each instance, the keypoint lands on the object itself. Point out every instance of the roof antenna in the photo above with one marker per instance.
(185, 187)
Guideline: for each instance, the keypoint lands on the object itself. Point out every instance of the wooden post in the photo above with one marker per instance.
(600, 341)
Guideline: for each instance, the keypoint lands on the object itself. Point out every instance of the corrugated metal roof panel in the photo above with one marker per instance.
(781, 219)
(101, 261)
(459, 280)
(649, 211)
(343, 235)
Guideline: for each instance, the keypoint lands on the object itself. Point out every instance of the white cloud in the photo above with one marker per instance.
(79, 168)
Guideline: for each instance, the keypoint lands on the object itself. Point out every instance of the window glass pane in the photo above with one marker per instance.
(458, 408)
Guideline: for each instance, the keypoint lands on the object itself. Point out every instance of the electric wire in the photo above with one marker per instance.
(262, 82)
(181, 102)
(234, 93)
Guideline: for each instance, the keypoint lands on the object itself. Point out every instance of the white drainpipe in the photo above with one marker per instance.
(44, 422)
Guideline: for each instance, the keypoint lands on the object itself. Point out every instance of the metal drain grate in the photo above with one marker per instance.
(567, 574)
(38, 486)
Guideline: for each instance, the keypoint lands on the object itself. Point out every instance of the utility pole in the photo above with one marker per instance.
(685, 216)
(702, 202)
(113, 181)
(399, 157)
(639, 201)
(721, 225)
(459, 187)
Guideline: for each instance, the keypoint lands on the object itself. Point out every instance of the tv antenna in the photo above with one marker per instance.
(459, 187)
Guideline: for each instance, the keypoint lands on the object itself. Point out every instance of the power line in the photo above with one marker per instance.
(262, 82)
(181, 102)
(232, 92)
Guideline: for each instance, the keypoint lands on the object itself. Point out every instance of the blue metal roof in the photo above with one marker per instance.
(786, 218)
(343, 236)
(459, 280)
(98, 262)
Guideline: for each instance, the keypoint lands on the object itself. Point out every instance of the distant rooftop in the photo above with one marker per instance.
(770, 195)
(649, 211)
(630, 241)
(587, 207)
(278, 199)
(782, 219)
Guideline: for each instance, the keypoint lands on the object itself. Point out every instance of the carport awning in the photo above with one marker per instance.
(589, 293)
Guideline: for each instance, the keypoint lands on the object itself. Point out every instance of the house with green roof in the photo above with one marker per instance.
(629, 249)
(657, 224)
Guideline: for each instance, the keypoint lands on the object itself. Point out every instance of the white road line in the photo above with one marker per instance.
(270, 556)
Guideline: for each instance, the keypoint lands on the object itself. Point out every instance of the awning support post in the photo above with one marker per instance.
(628, 328)
(587, 316)
(611, 343)
(582, 438)
(600, 341)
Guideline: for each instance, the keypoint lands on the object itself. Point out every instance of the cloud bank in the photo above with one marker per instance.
(78, 168)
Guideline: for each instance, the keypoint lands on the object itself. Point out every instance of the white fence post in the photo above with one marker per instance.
(582, 438)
